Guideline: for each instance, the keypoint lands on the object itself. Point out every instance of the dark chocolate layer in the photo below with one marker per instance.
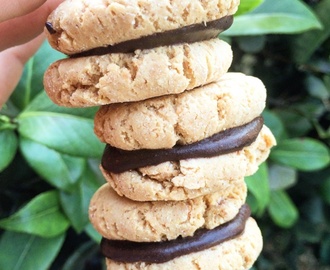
(160, 252)
(117, 160)
(50, 28)
(187, 34)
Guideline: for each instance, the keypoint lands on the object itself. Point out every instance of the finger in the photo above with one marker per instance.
(12, 63)
(22, 29)
(14, 8)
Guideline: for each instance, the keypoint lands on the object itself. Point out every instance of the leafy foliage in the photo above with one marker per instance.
(50, 155)
(41, 216)
(295, 69)
(57, 153)
(285, 16)
(22, 251)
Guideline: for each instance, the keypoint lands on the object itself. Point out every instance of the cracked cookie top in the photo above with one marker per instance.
(79, 25)
(182, 119)
(119, 218)
(123, 77)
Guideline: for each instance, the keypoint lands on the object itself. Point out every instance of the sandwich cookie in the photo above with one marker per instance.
(119, 218)
(159, 235)
(180, 179)
(237, 253)
(78, 26)
(181, 133)
(163, 122)
(142, 74)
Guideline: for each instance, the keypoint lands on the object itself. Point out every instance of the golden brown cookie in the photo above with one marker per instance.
(79, 25)
(119, 218)
(236, 254)
(123, 77)
(182, 119)
(191, 178)
(161, 72)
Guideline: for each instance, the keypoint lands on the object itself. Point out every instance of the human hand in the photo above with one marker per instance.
(21, 27)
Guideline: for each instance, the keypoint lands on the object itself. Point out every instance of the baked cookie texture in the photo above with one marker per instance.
(119, 218)
(124, 77)
(236, 254)
(156, 99)
(80, 25)
(235, 99)
(191, 177)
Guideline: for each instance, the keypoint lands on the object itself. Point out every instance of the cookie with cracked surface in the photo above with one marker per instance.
(185, 118)
(238, 253)
(80, 25)
(190, 178)
(119, 218)
(143, 74)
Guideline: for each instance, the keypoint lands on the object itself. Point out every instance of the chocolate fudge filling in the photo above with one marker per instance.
(116, 160)
(188, 34)
(160, 252)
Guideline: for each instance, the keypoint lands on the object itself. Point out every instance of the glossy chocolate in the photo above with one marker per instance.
(50, 28)
(187, 34)
(160, 252)
(117, 160)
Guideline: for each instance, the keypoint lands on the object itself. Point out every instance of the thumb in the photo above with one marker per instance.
(15, 8)
(12, 62)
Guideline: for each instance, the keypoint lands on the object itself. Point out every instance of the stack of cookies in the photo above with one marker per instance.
(181, 132)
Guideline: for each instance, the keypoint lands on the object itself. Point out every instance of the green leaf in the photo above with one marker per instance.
(6, 122)
(296, 125)
(9, 110)
(252, 202)
(68, 134)
(281, 177)
(310, 109)
(42, 216)
(92, 233)
(8, 147)
(323, 133)
(75, 203)
(28, 252)
(304, 154)
(258, 185)
(94, 166)
(303, 46)
(282, 210)
(275, 124)
(246, 6)
(31, 82)
(83, 253)
(317, 88)
(42, 103)
(274, 17)
(42, 159)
